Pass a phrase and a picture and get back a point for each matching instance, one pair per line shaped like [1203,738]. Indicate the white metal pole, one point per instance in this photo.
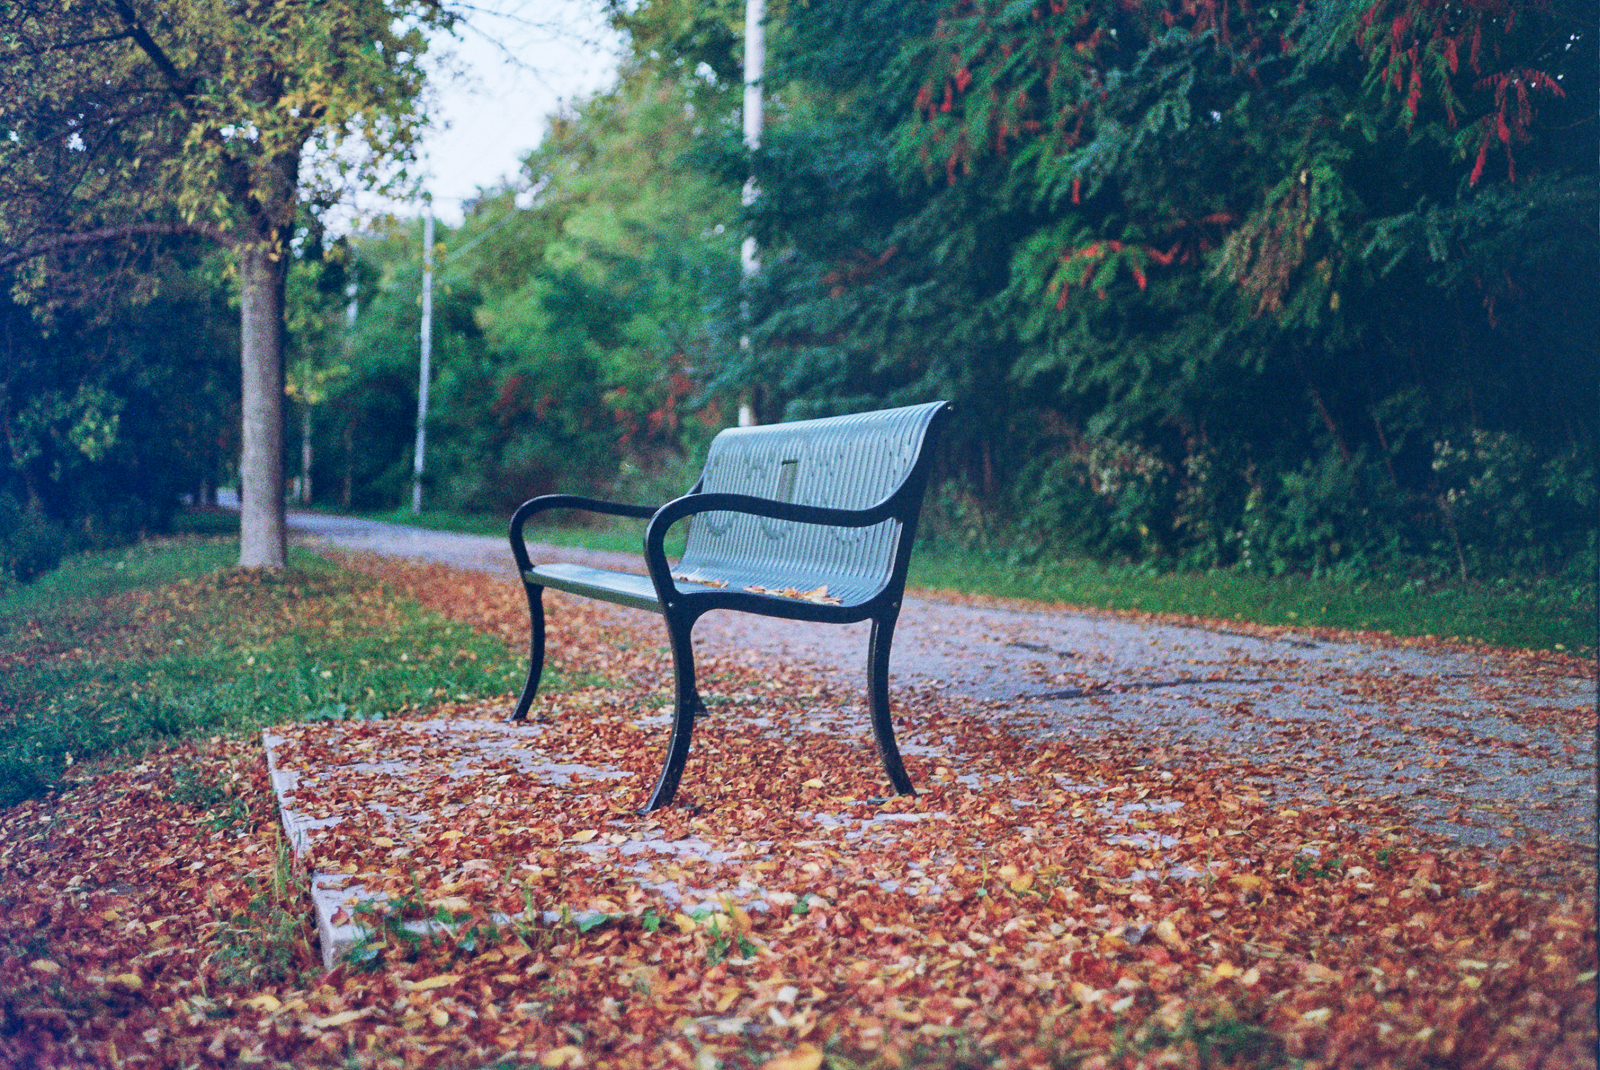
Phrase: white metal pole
[427,354]
[755,59]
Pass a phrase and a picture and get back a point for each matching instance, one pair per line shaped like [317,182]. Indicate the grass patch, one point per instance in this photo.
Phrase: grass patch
[117,652]
[261,945]
[206,520]
[102,574]
[1532,613]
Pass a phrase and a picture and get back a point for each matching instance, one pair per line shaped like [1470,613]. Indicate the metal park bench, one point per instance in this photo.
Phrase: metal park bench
[805,521]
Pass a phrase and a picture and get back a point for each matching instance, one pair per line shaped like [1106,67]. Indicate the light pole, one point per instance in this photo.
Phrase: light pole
[427,353]
[755,57]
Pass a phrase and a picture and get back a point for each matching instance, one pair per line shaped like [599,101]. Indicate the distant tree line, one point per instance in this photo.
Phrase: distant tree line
[1283,287]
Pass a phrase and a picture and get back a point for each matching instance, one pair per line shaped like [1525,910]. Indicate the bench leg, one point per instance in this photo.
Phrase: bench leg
[878,695]
[535,651]
[686,706]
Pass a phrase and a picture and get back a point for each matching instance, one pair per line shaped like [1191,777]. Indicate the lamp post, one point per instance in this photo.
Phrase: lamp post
[427,353]
[755,56]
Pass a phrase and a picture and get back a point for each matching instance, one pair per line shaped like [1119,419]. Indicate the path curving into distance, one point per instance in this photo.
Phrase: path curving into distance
[1477,742]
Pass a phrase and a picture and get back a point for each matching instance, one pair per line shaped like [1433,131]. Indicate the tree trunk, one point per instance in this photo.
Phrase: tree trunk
[263,542]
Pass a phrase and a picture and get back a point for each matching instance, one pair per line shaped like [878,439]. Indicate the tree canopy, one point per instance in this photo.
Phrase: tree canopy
[1273,286]
[131,119]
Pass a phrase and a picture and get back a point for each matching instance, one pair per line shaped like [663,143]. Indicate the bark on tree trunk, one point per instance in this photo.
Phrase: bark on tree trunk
[263,541]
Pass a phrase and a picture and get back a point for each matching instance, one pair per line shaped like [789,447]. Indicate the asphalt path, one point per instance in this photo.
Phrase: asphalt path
[1479,743]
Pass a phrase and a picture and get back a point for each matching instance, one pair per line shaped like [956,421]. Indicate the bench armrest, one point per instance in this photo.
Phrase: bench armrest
[655,533]
[527,509]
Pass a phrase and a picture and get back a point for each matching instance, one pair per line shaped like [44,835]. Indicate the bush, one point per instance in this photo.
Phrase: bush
[1329,515]
[1510,506]
[1105,498]
[30,545]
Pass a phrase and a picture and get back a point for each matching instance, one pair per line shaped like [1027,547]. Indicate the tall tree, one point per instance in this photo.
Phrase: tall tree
[123,121]
[1219,282]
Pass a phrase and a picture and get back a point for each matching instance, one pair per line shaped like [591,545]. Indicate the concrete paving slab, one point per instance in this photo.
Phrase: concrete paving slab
[329,780]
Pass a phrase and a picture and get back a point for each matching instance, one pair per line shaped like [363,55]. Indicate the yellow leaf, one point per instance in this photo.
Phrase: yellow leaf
[264,1002]
[561,1056]
[1248,881]
[453,903]
[434,982]
[439,1017]
[44,966]
[127,980]
[1317,1016]
[382,841]
[451,834]
[1022,883]
[1168,934]
[814,782]
[1086,995]
[804,1057]
[333,1021]
[727,1000]
[684,923]
[584,836]
[1225,969]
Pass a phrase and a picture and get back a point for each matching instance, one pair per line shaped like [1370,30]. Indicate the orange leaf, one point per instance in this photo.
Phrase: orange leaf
[804,1057]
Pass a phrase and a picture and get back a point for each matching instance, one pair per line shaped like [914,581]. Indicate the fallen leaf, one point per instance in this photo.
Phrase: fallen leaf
[803,1057]
[443,980]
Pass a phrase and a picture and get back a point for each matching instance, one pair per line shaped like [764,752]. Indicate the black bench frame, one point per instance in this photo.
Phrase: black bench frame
[682,605]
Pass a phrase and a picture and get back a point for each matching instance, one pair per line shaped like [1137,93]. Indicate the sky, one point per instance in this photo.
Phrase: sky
[510,74]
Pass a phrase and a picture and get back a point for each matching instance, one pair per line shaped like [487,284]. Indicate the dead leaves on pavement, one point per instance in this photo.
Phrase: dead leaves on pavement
[1036,903]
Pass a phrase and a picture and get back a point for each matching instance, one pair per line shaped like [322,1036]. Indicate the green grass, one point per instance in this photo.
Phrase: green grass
[1526,612]
[115,653]
[112,572]
[1531,613]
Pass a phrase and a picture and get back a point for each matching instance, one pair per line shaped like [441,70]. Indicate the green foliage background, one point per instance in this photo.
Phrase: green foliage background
[1284,289]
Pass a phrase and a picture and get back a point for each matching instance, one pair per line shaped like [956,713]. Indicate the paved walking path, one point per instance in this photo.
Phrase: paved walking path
[1478,740]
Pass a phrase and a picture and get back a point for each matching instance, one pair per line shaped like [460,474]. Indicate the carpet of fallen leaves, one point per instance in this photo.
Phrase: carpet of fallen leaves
[1035,905]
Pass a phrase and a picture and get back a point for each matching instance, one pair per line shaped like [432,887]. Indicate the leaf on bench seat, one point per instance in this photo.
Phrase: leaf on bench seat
[708,583]
[819,594]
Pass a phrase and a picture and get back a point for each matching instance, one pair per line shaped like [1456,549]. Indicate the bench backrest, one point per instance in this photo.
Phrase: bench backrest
[841,462]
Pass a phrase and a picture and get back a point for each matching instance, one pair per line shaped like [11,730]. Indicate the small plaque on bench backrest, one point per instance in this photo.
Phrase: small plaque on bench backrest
[787,470]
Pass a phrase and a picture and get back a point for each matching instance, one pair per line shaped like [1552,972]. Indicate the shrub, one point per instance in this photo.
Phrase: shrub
[30,545]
